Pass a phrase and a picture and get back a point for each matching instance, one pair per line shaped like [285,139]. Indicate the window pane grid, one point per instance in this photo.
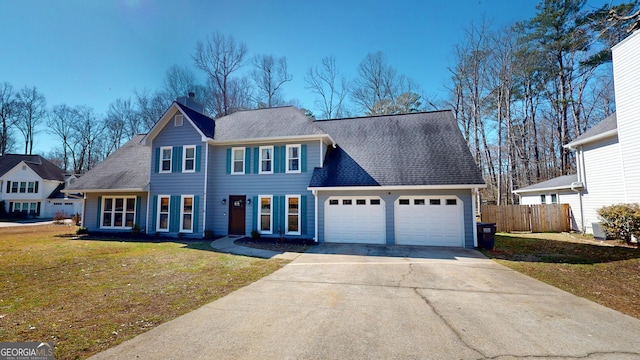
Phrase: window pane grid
[118,212]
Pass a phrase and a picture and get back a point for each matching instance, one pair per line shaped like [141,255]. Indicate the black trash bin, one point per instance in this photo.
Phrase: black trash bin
[486,235]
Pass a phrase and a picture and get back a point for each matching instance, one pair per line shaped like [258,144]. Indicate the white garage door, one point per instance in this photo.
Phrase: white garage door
[354,220]
[433,221]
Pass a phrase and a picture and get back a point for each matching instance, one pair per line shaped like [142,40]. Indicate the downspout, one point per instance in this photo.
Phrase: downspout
[475,194]
[315,197]
[84,202]
[206,176]
[146,224]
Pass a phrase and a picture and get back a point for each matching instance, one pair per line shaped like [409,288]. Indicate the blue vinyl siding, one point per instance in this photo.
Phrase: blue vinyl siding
[178,183]
[389,197]
[279,184]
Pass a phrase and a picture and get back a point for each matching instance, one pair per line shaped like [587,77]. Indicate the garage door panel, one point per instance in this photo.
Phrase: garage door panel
[429,221]
[355,220]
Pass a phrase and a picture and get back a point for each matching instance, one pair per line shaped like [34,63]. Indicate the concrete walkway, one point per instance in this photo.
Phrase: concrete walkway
[377,302]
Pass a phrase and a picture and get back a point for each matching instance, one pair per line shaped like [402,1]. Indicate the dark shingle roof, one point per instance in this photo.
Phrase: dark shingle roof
[203,122]
[607,124]
[560,182]
[41,166]
[264,123]
[341,170]
[127,168]
[411,149]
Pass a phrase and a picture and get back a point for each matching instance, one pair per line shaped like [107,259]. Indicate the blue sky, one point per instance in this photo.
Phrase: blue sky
[92,52]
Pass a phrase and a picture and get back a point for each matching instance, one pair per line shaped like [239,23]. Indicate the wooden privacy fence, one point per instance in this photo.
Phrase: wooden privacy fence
[534,218]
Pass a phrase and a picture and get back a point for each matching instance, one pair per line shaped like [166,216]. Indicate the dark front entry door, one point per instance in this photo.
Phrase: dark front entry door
[237,212]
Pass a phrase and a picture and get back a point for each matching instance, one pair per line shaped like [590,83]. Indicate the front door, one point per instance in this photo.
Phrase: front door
[237,214]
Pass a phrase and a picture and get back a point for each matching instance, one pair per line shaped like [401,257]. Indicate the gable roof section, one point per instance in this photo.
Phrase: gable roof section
[605,128]
[202,123]
[418,149]
[286,121]
[205,124]
[127,169]
[557,183]
[41,166]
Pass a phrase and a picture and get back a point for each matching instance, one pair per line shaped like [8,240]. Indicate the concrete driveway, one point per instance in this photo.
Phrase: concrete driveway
[376,302]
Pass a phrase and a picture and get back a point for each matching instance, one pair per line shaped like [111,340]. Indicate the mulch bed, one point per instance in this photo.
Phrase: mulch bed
[286,245]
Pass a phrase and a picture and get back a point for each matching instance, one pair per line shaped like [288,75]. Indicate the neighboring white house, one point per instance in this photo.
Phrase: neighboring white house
[31,184]
[607,161]
[560,190]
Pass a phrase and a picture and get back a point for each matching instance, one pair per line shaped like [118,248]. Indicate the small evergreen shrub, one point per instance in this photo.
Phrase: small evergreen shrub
[255,234]
[136,229]
[209,235]
[620,221]
[82,231]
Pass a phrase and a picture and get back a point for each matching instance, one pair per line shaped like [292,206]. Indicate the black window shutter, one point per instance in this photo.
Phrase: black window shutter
[36,190]
[8,186]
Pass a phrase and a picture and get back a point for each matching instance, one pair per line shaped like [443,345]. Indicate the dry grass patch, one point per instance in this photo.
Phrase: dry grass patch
[606,274]
[89,295]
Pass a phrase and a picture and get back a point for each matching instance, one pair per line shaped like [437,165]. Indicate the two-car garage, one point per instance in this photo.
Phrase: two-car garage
[418,220]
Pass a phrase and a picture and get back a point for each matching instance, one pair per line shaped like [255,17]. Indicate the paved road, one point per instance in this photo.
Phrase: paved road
[357,302]
[26,223]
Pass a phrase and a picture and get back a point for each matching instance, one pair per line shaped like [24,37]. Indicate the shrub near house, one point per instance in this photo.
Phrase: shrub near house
[621,221]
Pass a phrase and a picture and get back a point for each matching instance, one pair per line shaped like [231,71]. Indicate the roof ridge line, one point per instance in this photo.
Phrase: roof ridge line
[388,115]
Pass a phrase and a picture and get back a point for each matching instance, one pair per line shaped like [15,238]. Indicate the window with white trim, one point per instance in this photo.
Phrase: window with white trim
[543,199]
[118,212]
[237,161]
[186,214]
[162,223]
[554,198]
[26,207]
[23,187]
[266,160]
[265,215]
[165,159]
[293,158]
[189,158]
[293,214]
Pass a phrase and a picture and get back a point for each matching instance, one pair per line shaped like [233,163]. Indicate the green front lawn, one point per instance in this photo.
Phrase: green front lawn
[608,275]
[89,295]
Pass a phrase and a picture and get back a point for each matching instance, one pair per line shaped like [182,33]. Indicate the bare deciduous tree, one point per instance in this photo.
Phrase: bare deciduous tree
[60,123]
[329,86]
[31,107]
[88,129]
[150,107]
[219,56]
[379,87]
[269,75]
[7,116]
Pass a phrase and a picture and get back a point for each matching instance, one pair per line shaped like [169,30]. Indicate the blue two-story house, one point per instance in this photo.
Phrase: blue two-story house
[398,179]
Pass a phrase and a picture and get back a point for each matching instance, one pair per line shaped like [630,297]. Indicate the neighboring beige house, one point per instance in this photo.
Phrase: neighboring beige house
[607,161]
